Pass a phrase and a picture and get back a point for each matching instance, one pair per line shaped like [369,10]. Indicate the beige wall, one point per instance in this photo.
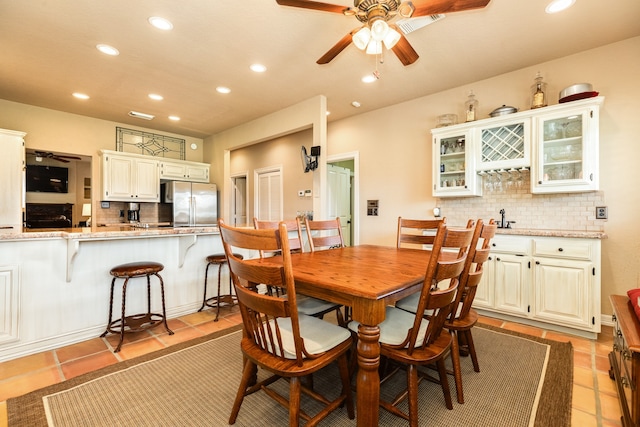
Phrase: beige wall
[395,151]
[51,130]
[281,152]
[394,145]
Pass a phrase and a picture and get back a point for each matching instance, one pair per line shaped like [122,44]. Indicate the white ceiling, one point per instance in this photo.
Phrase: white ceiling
[47,52]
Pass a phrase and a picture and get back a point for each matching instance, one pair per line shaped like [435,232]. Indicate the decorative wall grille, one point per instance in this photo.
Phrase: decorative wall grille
[150,144]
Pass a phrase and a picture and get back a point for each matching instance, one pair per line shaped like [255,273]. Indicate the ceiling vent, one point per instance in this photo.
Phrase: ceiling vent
[410,25]
[141,115]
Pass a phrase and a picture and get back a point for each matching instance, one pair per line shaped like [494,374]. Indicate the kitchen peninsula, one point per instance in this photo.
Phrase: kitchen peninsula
[55,283]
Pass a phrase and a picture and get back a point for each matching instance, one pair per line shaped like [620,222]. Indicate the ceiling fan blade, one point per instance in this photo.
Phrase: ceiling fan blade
[433,7]
[60,156]
[315,5]
[404,51]
[336,49]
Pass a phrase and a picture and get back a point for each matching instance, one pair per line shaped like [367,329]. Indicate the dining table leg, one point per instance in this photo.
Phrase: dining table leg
[368,378]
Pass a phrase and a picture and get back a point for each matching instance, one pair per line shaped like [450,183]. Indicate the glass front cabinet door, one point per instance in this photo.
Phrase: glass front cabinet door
[454,172]
[566,149]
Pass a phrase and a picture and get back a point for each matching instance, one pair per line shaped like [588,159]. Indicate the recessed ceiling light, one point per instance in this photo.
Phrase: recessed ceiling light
[223,89]
[559,5]
[258,68]
[174,118]
[80,95]
[108,50]
[369,78]
[356,104]
[156,97]
[160,23]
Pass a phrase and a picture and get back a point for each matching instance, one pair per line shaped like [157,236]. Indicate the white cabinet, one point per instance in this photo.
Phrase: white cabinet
[547,280]
[454,173]
[504,144]
[565,278]
[129,178]
[566,148]
[179,170]
[12,166]
[505,282]
[9,302]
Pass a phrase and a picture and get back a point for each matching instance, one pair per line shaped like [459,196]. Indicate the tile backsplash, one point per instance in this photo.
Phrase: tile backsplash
[568,211]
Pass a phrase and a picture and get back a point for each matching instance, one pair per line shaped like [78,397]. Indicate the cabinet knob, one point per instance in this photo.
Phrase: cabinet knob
[494,245]
[560,249]
[497,259]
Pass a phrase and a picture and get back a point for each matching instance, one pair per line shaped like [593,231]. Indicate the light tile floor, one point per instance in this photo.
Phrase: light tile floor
[595,402]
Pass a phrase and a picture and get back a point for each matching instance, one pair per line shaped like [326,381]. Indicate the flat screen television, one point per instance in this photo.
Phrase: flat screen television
[47,179]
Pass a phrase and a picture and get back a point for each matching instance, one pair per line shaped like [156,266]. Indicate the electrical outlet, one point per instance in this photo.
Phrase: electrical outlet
[601,212]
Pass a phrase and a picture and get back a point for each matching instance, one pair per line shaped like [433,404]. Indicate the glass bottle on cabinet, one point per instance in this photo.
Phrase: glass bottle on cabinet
[567,151]
[454,166]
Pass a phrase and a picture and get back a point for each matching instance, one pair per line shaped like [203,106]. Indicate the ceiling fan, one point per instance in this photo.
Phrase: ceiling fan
[39,155]
[375,15]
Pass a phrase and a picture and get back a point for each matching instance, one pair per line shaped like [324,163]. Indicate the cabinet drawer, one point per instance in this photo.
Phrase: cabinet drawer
[511,244]
[563,248]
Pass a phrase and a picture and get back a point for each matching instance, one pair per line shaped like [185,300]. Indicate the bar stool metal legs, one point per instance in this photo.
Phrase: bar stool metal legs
[214,302]
[135,322]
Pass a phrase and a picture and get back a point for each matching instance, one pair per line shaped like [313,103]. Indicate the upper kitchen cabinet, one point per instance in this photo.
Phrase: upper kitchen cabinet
[179,170]
[454,172]
[12,167]
[130,177]
[566,148]
[504,144]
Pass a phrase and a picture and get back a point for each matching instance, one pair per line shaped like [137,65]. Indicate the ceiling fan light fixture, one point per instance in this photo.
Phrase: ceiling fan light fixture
[391,38]
[361,37]
[379,30]
[406,9]
[374,48]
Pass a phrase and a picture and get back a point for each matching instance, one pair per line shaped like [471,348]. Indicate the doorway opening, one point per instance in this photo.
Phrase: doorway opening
[239,200]
[342,194]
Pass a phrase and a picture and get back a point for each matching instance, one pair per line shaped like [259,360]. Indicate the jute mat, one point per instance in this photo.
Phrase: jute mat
[524,381]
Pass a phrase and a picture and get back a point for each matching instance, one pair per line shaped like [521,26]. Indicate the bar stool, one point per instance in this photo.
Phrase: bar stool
[135,322]
[214,302]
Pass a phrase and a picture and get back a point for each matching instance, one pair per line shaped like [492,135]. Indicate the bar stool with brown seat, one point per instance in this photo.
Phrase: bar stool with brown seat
[135,322]
[214,302]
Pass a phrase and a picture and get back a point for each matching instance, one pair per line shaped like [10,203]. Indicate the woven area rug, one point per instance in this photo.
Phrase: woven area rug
[524,381]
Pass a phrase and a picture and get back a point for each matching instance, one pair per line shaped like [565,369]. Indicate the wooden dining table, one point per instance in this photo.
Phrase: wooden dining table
[366,278]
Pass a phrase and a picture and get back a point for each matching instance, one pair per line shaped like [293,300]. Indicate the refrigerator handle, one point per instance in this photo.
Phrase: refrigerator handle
[192,218]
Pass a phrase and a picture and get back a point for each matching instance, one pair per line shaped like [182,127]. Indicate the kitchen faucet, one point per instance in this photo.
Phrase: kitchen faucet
[503,223]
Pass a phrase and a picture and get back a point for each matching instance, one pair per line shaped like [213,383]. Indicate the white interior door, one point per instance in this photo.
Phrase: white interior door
[239,200]
[269,195]
[339,198]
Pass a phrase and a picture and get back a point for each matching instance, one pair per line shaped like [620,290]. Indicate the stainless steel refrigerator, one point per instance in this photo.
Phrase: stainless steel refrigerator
[194,204]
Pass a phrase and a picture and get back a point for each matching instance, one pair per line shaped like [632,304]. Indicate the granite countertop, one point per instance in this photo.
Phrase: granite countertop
[552,233]
[87,233]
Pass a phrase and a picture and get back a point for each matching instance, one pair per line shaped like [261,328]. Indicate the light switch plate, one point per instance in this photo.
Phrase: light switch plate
[104,205]
[601,212]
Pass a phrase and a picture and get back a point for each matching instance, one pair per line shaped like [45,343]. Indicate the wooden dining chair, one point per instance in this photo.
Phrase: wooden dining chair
[327,234]
[276,337]
[411,231]
[413,341]
[293,228]
[324,234]
[306,305]
[463,318]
